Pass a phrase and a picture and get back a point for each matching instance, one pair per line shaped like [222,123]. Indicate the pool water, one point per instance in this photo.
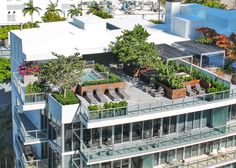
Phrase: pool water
[90,75]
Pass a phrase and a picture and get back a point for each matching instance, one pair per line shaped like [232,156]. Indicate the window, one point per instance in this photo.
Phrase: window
[156,127]
[147,129]
[137,131]
[181,123]
[106,136]
[117,133]
[166,123]
[188,152]
[194,150]
[197,117]
[173,124]
[126,129]
[206,118]
[95,137]
[190,121]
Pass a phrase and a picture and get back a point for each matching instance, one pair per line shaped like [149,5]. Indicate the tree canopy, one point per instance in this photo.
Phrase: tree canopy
[30,9]
[132,46]
[52,17]
[98,10]
[63,72]
[5,70]
[52,7]
[75,10]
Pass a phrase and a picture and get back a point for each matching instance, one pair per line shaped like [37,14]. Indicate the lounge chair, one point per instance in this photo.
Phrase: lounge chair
[100,96]
[198,89]
[121,92]
[112,95]
[189,91]
[90,97]
[158,92]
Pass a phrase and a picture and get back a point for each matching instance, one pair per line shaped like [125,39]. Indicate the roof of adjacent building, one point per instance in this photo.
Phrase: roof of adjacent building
[66,38]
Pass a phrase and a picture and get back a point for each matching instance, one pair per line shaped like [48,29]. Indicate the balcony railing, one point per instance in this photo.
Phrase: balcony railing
[31,162]
[27,98]
[152,145]
[155,107]
[29,135]
[208,161]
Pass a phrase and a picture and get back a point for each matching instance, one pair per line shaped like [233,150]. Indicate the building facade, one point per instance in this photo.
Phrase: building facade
[194,131]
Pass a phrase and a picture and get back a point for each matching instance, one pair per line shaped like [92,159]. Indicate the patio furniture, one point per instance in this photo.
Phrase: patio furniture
[121,92]
[90,97]
[112,95]
[190,91]
[198,89]
[214,153]
[100,96]
[157,93]
[222,151]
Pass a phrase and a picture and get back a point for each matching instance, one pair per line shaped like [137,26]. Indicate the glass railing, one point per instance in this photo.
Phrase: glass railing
[208,161]
[31,135]
[156,106]
[151,145]
[27,98]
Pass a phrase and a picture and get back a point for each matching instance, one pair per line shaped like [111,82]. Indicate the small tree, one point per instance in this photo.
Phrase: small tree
[30,9]
[132,46]
[75,10]
[52,7]
[63,71]
[52,17]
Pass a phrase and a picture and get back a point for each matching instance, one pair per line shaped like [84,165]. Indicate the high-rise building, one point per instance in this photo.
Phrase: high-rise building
[156,126]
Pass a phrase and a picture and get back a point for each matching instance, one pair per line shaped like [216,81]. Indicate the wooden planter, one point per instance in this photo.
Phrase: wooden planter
[173,94]
[103,87]
[192,83]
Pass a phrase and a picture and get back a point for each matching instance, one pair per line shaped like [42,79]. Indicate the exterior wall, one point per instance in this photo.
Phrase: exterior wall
[11,10]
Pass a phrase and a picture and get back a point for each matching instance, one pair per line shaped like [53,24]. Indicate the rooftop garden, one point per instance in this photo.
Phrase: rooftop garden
[132,46]
[98,10]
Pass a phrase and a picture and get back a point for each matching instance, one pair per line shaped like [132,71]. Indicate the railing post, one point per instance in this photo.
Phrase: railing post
[183,102]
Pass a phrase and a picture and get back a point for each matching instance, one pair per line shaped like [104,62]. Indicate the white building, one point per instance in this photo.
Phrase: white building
[11,10]
[197,131]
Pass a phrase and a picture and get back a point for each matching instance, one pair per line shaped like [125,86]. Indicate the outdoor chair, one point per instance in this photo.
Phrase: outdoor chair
[157,93]
[198,89]
[121,92]
[90,97]
[100,96]
[222,151]
[112,95]
[189,91]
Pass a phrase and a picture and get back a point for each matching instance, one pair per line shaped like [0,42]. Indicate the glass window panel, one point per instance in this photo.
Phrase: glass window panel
[156,158]
[95,137]
[163,157]
[135,162]
[233,112]
[216,144]
[189,121]
[223,142]
[180,153]
[194,150]
[166,123]
[106,165]
[117,134]
[126,128]
[87,137]
[202,148]
[125,163]
[206,118]
[68,137]
[117,164]
[182,123]
[229,141]
[171,155]
[106,136]
[173,124]
[147,129]
[188,152]
[137,131]
[197,120]
[156,127]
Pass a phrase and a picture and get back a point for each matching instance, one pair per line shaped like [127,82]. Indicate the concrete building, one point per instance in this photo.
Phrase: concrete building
[152,131]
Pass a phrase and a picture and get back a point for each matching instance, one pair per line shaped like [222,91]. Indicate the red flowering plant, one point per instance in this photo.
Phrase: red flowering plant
[28,69]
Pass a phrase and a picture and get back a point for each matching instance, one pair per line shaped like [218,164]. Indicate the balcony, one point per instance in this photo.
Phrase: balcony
[153,145]
[27,99]
[89,118]
[28,157]
[29,133]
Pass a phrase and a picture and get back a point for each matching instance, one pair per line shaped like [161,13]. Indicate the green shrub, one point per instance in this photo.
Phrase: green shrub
[70,98]
[5,70]
[108,105]
[94,107]
[52,17]
[36,87]
[102,14]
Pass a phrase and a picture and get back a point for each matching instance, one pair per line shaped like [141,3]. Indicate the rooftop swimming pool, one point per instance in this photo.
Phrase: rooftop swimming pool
[90,75]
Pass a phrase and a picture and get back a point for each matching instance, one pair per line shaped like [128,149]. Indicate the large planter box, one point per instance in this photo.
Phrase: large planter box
[63,113]
[173,94]
[192,83]
[103,87]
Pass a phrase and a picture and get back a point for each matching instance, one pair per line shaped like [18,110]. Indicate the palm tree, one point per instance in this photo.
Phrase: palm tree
[75,11]
[52,8]
[30,9]
[95,7]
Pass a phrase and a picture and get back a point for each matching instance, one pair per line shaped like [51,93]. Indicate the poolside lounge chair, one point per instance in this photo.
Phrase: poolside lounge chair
[90,97]
[189,91]
[121,92]
[100,96]
[112,95]
[198,89]
[158,92]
